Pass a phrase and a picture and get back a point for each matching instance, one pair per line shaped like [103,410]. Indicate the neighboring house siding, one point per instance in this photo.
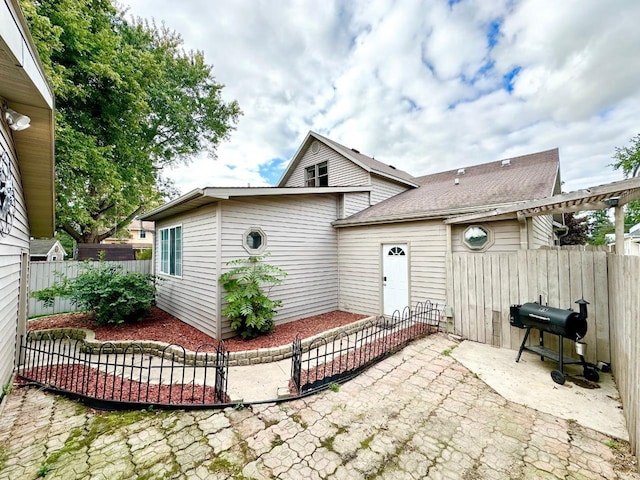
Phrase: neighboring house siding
[301,241]
[342,172]
[542,229]
[354,203]
[383,189]
[506,235]
[11,248]
[361,269]
[192,298]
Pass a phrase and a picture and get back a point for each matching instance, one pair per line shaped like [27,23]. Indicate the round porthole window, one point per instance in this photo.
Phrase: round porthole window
[254,240]
[477,237]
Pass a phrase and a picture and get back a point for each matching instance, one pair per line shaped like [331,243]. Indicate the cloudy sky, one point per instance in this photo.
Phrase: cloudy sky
[424,85]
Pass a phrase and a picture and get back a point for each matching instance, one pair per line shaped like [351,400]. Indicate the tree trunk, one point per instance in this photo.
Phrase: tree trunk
[95,236]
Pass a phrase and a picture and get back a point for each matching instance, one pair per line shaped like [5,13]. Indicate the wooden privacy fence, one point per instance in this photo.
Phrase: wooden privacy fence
[483,287]
[44,274]
[624,299]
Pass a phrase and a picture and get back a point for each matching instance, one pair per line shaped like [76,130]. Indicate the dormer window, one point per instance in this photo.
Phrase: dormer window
[317,175]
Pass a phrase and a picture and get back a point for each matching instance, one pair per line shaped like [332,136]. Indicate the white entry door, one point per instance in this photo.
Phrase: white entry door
[395,277]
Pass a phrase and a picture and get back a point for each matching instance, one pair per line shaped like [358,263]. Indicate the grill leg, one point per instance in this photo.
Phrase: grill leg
[541,343]
[524,341]
[561,354]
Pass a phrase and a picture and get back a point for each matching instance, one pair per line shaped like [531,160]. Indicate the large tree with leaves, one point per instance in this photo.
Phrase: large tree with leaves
[627,159]
[129,101]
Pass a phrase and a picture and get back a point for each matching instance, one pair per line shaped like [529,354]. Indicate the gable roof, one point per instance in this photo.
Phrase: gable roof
[503,182]
[363,161]
[42,247]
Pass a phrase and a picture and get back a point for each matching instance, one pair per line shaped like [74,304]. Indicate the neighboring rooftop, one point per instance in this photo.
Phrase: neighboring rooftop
[42,247]
[527,177]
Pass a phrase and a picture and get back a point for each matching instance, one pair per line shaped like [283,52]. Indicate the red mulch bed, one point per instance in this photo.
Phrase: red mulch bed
[94,383]
[161,327]
[357,357]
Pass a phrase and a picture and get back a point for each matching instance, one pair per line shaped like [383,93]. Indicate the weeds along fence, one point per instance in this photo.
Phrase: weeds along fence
[117,375]
[344,356]
[44,274]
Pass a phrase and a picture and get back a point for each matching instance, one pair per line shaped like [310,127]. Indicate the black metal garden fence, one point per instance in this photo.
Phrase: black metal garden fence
[118,375]
[345,355]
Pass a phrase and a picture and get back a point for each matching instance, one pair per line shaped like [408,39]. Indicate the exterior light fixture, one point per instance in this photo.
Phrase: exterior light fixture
[16,121]
[612,202]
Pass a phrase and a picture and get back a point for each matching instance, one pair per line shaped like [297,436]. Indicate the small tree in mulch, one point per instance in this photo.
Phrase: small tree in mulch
[249,308]
[115,296]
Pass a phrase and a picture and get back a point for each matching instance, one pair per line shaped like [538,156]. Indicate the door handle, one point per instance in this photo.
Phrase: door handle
[384,279]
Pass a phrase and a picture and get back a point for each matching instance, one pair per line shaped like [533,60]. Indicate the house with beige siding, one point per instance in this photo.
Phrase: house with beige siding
[26,172]
[138,234]
[352,232]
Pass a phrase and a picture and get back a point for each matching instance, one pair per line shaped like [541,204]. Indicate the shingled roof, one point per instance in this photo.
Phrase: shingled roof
[41,247]
[478,187]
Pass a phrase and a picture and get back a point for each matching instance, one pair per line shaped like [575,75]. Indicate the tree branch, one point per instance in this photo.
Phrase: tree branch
[122,223]
[72,233]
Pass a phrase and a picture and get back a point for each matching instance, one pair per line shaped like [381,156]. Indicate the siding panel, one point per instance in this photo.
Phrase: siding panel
[301,241]
[506,236]
[342,172]
[542,231]
[192,298]
[361,270]
[11,248]
[383,189]
[355,202]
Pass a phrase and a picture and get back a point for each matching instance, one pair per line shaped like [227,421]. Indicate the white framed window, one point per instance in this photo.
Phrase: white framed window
[143,234]
[171,251]
[254,240]
[317,175]
[477,237]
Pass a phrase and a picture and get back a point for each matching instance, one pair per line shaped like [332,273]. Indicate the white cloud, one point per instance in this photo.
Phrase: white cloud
[416,83]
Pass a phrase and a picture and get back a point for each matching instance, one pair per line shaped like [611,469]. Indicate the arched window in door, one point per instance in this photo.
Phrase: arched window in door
[396,251]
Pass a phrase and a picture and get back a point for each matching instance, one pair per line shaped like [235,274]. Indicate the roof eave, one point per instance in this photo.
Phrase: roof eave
[159,213]
[30,94]
[203,196]
[592,198]
[296,159]
[293,162]
[395,179]
[411,217]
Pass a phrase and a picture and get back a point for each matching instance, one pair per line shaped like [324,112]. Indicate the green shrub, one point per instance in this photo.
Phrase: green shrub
[114,295]
[146,254]
[249,308]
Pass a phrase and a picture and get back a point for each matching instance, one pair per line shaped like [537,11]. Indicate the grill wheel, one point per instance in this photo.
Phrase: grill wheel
[558,377]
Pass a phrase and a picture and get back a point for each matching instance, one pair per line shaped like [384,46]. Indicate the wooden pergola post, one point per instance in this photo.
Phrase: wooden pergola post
[619,219]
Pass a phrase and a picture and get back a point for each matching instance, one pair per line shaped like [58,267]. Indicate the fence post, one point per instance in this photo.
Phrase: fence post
[296,362]
[222,370]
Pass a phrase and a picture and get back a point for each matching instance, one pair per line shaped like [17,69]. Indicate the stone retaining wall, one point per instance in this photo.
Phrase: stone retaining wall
[160,349]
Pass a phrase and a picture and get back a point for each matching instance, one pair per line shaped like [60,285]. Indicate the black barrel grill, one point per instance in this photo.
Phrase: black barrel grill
[563,323]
